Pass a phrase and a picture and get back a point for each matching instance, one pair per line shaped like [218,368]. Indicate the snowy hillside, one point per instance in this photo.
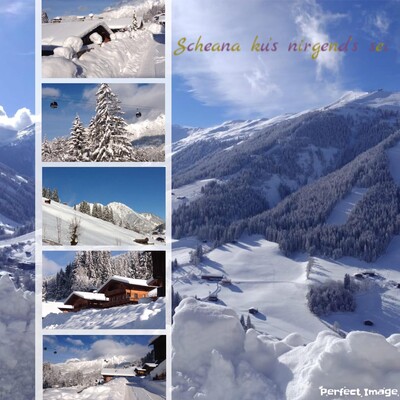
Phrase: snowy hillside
[263,278]
[253,366]
[17,342]
[134,316]
[57,219]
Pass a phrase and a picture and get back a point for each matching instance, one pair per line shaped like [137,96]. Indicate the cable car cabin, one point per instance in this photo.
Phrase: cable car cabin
[138,114]
[53,104]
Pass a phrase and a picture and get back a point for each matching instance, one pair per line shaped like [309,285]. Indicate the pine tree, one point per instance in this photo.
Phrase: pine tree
[249,324]
[134,24]
[46,150]
[54,195]
[108,134]
[77,141]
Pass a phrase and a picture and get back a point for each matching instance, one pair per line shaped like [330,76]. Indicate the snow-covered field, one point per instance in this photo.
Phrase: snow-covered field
[262,277]
[17,342]
[93,231]
[187,193]
[214,358]
[133,316]
[117,389]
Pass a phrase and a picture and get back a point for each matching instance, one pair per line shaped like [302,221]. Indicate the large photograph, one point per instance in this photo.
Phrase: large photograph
[286,200]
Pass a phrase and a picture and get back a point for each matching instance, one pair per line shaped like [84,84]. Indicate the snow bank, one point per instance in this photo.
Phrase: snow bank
[139,316]
[209,357]
[74,42]
[17,342]
[66,52]
[58,67]
[96,38]
[214,358]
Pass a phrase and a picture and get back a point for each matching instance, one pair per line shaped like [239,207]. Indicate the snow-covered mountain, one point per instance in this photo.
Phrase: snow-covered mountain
[125,217]
[277,173]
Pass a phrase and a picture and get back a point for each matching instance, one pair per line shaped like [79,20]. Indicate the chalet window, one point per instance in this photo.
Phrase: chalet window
[135,296]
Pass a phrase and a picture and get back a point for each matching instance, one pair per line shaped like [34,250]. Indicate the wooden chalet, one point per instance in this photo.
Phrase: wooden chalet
[77,301]
[120,290]
[116,291]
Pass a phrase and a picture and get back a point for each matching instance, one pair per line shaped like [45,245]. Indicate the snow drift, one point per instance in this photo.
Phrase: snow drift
[211,347]
[17,342]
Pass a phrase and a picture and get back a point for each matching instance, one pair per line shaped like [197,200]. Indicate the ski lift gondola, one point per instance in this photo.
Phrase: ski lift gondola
[53,104]
[55,352]
[138,113]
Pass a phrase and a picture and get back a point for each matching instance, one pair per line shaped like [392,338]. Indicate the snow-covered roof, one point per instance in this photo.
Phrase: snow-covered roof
[151,365]
[88,296]
[120,23]
[152,293]
[55,34]
[66,307]
[118,371]
[129,281]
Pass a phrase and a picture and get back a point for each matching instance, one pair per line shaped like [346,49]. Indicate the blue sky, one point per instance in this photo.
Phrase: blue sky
[73,99]
[142,189]
[61,8]
[17,64]
[85,347]
[53,261]
[210,88]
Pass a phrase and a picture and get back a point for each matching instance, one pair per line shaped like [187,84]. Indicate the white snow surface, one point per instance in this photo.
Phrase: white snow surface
[93,231]
[132,316]
[214,358]
[394,162]
[188,193]
[17,342]
[117,389]
[344,207]
[89,296]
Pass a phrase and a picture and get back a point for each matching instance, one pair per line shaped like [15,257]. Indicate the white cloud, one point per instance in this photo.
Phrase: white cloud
[377,25]
[17,8]
[251,83]
[51,92]
[149,99]
[74,342]
[50,267]
[22,118]
[109,348]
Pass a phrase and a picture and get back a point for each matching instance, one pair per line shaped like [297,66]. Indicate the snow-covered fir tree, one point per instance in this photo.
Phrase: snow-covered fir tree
[108,133]
[134,26]
[77,141]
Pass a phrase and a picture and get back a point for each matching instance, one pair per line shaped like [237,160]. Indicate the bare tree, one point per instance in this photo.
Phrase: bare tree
[74,230]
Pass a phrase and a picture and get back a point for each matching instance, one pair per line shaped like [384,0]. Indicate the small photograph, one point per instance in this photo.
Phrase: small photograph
[103,206]
[104,367]
[103,39]
[103,123]
[103,290]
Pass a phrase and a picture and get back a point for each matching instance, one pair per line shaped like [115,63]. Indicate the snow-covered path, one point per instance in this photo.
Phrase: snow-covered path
[138,393]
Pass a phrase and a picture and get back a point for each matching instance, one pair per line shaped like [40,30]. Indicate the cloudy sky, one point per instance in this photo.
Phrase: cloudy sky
[209,88]
[85,347]
[17,64]
[73,99]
